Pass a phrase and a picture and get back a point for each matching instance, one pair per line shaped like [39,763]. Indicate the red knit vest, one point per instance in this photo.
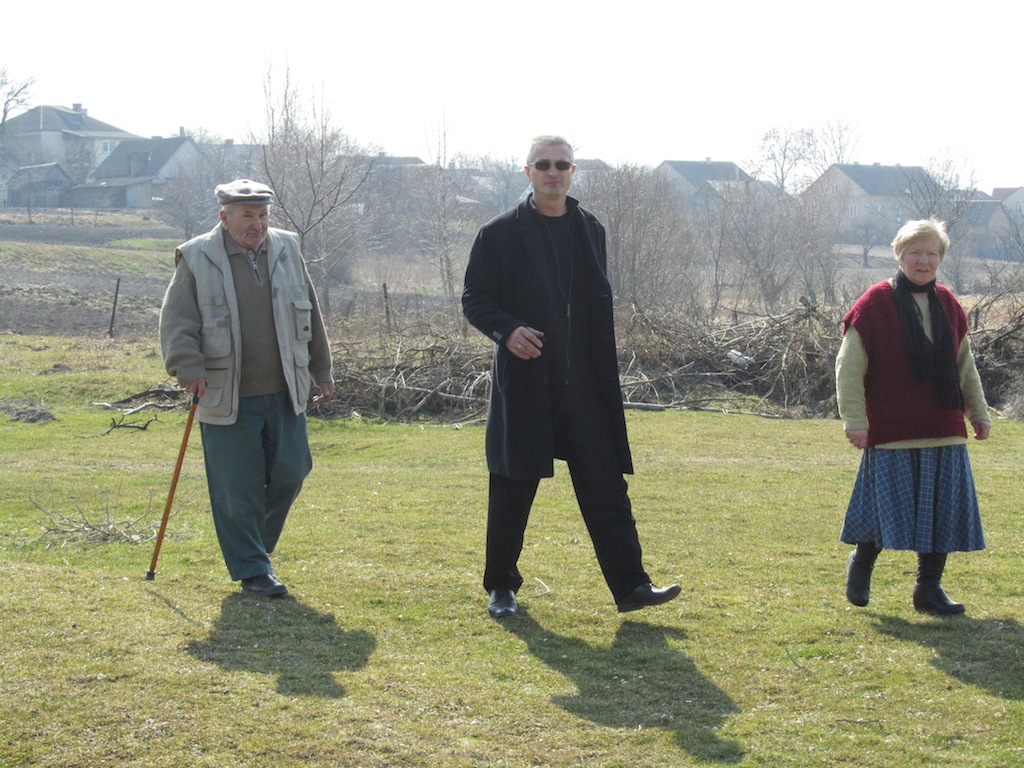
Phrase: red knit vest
[898,406]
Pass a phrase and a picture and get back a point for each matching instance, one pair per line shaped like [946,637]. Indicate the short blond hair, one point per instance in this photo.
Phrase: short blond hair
[920,228]
[548,140]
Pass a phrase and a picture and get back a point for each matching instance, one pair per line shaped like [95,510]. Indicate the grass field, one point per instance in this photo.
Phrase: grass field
[384,654]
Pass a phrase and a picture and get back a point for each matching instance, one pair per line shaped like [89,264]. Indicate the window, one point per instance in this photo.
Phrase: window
[851,211]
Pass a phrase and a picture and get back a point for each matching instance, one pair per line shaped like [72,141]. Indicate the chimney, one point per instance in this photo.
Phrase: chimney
[77,107]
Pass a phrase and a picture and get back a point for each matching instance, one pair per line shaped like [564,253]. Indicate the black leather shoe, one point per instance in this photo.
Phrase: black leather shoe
[646,595]
[264,585]
[502,603]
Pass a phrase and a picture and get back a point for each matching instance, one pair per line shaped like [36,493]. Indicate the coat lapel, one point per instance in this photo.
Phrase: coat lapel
[530,231]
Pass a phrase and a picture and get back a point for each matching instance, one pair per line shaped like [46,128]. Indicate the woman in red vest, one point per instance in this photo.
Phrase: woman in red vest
[905,380]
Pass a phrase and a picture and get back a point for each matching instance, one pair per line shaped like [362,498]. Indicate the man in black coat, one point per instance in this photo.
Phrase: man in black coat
[537,285]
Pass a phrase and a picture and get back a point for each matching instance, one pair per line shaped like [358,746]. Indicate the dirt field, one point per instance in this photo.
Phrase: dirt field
[73,301]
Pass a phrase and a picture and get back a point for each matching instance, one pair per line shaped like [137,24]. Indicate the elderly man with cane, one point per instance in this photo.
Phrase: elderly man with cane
[241,330]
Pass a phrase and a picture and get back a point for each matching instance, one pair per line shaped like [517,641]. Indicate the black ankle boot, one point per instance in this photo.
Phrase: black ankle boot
[929,596]
[858,573]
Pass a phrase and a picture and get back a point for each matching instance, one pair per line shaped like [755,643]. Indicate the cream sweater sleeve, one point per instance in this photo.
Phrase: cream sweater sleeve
[851,366]
[975,406]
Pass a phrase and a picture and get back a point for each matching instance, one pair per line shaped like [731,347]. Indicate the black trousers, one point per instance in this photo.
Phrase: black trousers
[584,437]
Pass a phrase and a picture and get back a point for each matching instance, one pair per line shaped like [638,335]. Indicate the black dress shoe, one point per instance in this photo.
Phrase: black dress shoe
[502,603]
[264,585]
[646,595]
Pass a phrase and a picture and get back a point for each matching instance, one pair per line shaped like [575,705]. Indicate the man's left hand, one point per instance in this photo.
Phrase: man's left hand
[326,392]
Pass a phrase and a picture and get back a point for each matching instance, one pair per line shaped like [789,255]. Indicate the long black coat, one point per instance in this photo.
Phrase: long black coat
[507,285]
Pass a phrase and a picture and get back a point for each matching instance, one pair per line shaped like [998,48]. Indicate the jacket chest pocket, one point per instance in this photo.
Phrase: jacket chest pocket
[216,330]
[302,318]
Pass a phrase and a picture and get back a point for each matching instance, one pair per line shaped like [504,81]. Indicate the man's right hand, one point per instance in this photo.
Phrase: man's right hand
[525,343]
[196,386]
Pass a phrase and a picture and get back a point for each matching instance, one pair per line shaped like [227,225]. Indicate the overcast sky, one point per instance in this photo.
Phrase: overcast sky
[636,82]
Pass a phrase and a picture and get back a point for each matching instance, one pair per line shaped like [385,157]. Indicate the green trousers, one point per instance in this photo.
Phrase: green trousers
[254,470]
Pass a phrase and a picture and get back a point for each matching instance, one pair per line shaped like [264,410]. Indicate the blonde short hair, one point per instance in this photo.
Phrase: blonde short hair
[920,228]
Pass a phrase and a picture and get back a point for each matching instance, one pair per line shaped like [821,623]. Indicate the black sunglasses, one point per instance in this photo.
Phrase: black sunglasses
[543,165]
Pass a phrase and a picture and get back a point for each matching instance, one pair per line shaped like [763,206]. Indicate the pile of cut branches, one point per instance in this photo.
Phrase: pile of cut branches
[410,376]
[779,365]
[999,355]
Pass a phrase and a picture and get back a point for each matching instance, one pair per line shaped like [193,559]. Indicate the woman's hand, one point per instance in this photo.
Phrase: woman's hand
[981,429]
[858,437]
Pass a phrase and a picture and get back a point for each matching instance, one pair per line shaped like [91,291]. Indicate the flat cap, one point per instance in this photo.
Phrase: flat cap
[244,191]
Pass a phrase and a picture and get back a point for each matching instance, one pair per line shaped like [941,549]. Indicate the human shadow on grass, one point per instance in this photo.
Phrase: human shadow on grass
[283,637]
[637,682]
[988,653]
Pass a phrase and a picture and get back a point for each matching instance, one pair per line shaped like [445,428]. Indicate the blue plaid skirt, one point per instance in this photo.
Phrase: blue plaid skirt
[921,499]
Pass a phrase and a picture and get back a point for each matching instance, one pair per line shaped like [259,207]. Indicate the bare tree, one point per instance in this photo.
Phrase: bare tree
[873,228]
[792,158]
[14,94]
[389,205]
[1014,240]
[504,182]
[760,236]
[448,218]
[188,200]
[316,172]
[715,266]
[649,248]
[833,143]
[815,220]
[784,154]
[945,191]
[436,240]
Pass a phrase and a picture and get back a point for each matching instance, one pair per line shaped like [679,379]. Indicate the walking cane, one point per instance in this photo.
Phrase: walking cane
[151,573]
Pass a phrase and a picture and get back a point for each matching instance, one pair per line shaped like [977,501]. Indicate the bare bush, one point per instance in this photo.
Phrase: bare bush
[411,373]
[104,524]
[415,366]
[778,365]
[999,354]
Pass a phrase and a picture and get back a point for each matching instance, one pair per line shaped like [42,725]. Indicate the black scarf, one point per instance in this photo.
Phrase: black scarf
[929,360]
